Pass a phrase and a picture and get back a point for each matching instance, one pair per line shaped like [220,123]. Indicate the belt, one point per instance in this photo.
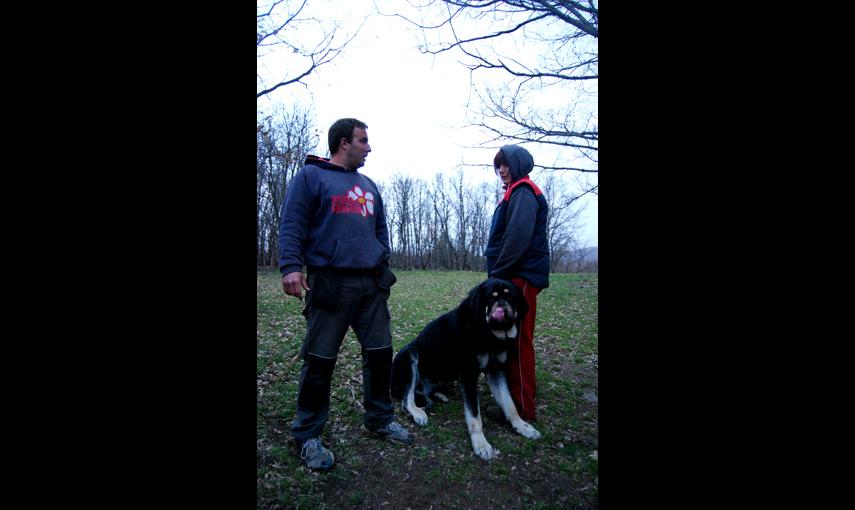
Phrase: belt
[345,271]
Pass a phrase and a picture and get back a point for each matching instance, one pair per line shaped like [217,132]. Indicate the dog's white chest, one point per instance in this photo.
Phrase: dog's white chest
[482,360]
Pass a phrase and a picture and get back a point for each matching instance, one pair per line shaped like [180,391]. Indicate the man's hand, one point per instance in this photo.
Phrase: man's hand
[294,283]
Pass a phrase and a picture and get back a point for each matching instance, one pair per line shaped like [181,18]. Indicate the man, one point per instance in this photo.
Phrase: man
[333,222]
[518,250]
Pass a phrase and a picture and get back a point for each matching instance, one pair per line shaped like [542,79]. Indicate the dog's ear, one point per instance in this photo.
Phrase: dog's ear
[472,303]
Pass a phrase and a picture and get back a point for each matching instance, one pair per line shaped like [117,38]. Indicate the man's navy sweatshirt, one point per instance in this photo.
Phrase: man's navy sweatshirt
[333,217]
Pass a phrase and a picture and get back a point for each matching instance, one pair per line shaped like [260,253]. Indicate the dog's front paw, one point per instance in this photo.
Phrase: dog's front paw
[419,416]
[526,430]
[481,447]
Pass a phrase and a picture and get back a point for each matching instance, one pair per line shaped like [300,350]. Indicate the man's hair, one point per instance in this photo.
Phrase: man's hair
[343,128]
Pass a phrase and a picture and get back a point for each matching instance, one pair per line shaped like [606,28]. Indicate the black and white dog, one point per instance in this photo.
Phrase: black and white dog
[472,338]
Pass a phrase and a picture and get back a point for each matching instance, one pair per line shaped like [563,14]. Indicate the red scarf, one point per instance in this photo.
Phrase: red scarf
[513,185]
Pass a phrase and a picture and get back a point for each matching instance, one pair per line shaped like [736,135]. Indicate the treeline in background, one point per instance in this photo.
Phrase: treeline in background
[441,222]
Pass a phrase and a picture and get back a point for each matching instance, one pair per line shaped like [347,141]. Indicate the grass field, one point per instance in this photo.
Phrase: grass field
[439,470]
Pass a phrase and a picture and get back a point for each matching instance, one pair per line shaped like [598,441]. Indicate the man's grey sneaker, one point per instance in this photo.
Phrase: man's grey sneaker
[315,456]
[395,432]
[496,414]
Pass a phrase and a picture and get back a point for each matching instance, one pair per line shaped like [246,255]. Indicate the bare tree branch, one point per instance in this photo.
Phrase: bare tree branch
[288,34]
[536,44]
[327,54]
[460,42]
[260,37]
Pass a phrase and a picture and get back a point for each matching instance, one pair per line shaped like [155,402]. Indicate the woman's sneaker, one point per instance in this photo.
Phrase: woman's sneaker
[315,456]
[395,432]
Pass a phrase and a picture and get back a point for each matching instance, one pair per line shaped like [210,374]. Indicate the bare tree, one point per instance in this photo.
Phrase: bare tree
[420,226]
[480,203]
[460,248]
[283,140]
[444,223]
[308,42]
[547,52]
[440,232]
[399,212]
[563,226]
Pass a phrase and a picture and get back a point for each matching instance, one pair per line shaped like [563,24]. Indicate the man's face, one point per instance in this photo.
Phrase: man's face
[356,151]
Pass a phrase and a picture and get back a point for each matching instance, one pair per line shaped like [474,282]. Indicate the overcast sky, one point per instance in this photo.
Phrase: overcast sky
[415,105]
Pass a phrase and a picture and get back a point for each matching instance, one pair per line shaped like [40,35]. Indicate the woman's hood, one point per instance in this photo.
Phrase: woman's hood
[519,161]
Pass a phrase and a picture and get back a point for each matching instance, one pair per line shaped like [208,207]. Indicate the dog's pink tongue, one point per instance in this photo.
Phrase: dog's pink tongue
[499,314]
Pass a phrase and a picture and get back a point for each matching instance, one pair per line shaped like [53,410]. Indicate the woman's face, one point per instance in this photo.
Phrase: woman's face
[504,172]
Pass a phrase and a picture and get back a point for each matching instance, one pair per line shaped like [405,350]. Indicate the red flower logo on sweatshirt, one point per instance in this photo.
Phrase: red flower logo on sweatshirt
[354,201]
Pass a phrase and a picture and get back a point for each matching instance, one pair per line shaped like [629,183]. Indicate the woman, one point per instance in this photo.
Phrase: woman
[518,250]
